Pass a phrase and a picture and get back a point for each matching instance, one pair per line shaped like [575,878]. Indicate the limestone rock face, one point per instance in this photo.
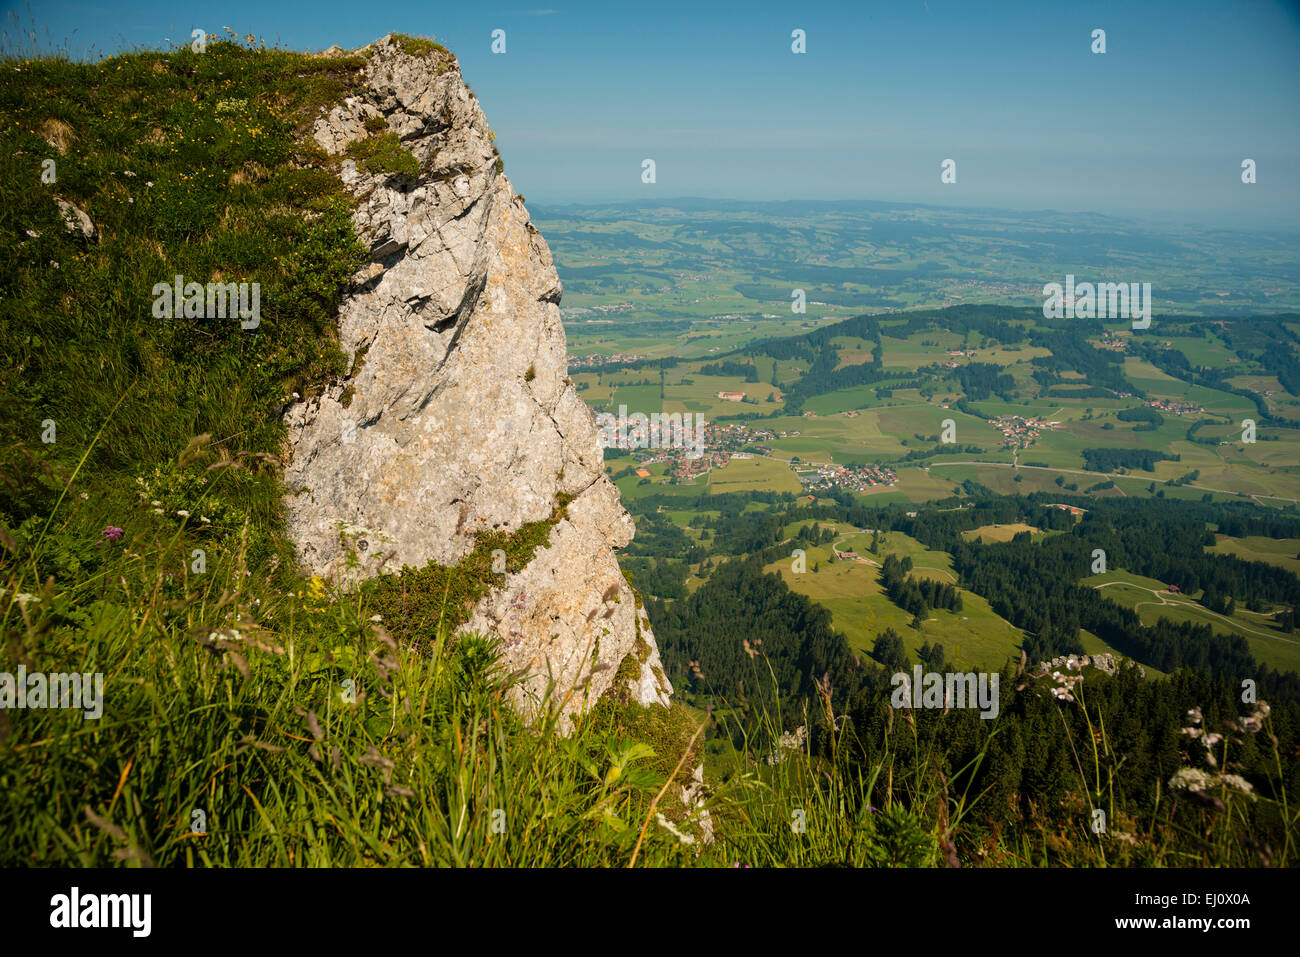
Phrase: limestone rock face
[457,415]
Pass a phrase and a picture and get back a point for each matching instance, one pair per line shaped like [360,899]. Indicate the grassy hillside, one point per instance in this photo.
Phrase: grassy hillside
[252,716]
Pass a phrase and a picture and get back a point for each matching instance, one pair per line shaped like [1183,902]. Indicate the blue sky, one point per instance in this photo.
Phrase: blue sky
[1157,126]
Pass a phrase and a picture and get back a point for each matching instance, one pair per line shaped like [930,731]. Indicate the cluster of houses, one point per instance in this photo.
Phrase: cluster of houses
[856,478]
[617,358]
[1113,341]
[732,396]
[688,469]
[1019,432]
[721,444]
[732,438]
[1174,408]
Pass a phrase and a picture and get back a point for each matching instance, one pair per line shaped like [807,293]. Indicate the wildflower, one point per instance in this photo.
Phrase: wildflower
[25,597]
[1190,779]
[376,617]
[748,650]
[1210,740]
[112,533]
[33,233]
[1238,782]
[205,520]
[1195,715]
[1192,732]
[155,502]
[127,172]
[84,496]
[158,511]
[182,513]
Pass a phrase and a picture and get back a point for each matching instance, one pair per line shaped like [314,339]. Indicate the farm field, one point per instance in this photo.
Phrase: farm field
[1071,411]
[1256,548]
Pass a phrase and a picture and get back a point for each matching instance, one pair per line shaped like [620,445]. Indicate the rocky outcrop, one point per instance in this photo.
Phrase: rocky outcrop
[1105,662]
[457,415]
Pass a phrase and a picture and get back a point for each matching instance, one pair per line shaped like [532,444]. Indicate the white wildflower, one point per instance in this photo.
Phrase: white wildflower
[1190,779]
[1238,782]
[182,513]
[25,597]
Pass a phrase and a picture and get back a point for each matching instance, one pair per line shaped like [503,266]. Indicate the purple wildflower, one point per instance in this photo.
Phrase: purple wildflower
[112,533]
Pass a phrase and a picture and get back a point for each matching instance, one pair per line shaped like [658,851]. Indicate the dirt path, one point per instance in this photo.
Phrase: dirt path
[1160,600]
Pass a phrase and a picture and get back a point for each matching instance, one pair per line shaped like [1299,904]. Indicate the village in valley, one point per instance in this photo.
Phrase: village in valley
[1020,432]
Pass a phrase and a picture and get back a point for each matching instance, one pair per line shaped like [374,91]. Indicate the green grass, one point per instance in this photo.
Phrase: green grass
[184,162]
[1281,552]
[312,726]
[975,637]
[384,153]
[418,46]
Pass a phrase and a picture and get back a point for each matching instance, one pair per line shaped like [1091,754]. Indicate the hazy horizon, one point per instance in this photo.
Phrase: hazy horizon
[580,95]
